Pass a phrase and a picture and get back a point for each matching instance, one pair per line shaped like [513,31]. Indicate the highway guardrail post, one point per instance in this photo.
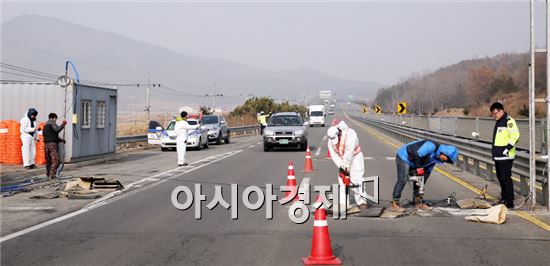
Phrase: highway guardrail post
[523,186]
[545,192]
[476,167]
[465,164]
[490,174]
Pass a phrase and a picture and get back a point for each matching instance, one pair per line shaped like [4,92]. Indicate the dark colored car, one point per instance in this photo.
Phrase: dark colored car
[285,130]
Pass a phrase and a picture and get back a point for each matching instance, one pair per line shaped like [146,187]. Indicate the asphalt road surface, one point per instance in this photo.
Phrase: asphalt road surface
[142,227]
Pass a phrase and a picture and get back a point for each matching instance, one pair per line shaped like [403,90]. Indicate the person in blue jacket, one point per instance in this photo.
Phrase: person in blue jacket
[421,154]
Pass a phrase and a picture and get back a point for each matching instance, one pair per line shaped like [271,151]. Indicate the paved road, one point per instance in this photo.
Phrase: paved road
[144,228]
[129,168]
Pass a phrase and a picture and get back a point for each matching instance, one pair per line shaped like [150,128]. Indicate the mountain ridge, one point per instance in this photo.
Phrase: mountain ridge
[130,59]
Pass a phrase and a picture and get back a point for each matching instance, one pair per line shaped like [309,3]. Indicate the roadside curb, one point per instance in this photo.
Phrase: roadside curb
[18,177]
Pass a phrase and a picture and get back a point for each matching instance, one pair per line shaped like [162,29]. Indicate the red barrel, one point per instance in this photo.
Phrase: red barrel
[13,144]
[3,135]
[40,149]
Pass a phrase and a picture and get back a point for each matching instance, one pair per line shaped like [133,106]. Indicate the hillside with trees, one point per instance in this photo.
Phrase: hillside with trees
[245,114]
[470,86]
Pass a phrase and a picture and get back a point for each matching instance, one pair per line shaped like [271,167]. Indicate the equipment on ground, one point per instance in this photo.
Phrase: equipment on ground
[417,176]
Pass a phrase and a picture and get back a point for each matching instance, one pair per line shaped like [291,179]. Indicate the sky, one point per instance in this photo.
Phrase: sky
[367,41]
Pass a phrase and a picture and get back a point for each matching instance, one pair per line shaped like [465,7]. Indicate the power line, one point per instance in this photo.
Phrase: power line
[26,76]
[26,70]
[6,81]
[166,89]
[65,57]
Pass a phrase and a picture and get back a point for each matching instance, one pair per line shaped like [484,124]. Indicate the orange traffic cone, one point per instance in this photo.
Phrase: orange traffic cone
[328,155]
[321,250]
[291,181]
[308,168]
[318,203]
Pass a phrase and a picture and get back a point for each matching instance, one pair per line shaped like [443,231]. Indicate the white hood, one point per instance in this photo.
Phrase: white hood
[342,126]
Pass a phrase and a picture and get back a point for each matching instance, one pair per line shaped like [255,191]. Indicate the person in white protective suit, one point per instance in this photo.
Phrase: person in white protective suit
[29,135]
[343,145]
[181,128]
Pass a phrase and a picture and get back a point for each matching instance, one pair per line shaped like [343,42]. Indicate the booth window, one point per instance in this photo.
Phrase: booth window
[86,113]
[100,114]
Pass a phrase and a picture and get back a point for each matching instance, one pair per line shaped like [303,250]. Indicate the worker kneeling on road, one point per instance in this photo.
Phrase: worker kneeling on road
[419,157]
[343,145]
[181,128]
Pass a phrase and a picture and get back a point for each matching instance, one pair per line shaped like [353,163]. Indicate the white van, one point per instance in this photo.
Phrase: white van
[316,115]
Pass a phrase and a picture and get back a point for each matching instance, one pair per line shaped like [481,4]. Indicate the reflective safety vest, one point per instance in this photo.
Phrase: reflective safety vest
[262,119]
[505,136]
[341,146]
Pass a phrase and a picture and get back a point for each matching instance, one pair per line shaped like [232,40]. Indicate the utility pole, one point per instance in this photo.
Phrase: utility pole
[532,137]
[547,189]
[214,101]
[148,104]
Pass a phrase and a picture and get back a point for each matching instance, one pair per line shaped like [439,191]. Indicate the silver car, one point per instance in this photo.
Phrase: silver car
[217,128]
[285,130]
[197,137]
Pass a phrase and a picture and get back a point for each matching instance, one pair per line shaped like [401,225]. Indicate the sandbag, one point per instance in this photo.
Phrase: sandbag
[495,215]
[370,212]
[473,204]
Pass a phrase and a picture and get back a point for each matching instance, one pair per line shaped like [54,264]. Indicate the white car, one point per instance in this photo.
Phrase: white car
[154,133]
[198,137]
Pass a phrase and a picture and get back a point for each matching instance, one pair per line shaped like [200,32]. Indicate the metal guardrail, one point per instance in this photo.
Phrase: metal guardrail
[463,127]
[475,155]
[244,130]
[130,139]
[241,130]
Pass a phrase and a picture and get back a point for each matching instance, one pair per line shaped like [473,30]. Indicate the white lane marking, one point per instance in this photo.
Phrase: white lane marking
[251,146]
[110,199]
[324,137]
[318,151]
[43,224]
[259,143]
[103,200]
[380,158]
